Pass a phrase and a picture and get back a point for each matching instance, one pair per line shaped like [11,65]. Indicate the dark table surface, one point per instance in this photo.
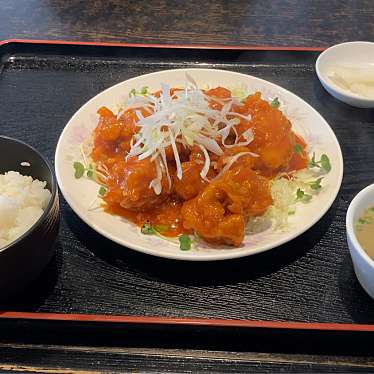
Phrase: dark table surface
[307,23]
[251,22]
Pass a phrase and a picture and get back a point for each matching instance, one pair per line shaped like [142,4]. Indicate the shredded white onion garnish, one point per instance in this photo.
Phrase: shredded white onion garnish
[156,183]
[185,118]
[205,169]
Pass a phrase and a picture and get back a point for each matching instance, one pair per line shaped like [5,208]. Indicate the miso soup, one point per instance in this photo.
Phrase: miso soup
[364,229]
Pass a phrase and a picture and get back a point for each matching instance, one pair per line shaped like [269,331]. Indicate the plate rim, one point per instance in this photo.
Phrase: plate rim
[187,256]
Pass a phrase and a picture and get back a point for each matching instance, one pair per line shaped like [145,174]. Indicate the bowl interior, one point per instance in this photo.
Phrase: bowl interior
[17,153]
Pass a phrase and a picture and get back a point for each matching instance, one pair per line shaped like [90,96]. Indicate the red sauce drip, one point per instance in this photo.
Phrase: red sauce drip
[168,214]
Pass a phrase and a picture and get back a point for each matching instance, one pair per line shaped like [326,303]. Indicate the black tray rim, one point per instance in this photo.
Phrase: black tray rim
[155,320]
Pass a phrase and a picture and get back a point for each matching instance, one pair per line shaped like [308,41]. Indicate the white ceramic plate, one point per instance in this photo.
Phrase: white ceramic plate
[80,193]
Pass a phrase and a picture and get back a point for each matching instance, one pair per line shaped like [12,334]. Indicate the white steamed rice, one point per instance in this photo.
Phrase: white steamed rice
[22,201]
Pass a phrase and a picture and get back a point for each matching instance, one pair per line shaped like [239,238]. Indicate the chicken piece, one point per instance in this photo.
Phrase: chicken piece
[247,160]
[206,215]
[129,184]
[183,153]
[191,183]
[197,155]
[113,135]
[274,140]
[247,192]
[219,213]
[219,93]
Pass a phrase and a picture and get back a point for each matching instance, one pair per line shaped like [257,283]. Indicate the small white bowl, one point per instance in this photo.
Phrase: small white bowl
[362,263]
[352,53]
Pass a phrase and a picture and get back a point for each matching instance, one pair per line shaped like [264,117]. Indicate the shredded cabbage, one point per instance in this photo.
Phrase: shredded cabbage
[283,191]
